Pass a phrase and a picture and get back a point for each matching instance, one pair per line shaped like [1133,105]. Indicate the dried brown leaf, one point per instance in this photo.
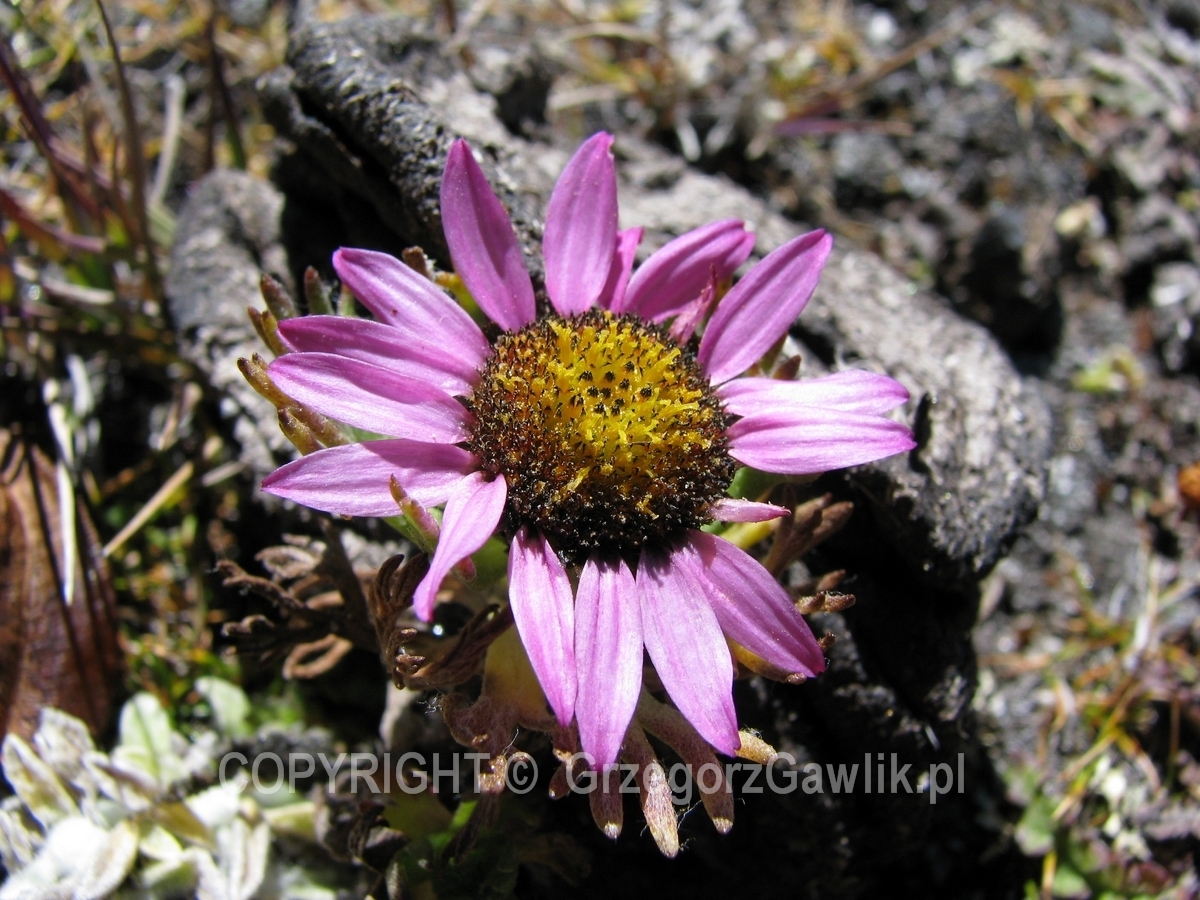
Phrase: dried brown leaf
[52,654]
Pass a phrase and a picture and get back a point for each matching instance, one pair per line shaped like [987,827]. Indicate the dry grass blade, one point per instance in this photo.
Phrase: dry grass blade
[41,132]
[175,91]
[135,161]
[217,68]
[153,505]
[48,238]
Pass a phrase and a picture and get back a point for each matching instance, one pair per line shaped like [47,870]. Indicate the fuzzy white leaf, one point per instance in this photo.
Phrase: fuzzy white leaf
[244,850]
[148,742]
[217,806]
[230,705]
[62,740]
[70,848]
[20,838]
[130,788]
[108,868]
[36,784]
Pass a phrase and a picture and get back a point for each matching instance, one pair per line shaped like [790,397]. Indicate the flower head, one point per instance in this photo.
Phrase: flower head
[597,437]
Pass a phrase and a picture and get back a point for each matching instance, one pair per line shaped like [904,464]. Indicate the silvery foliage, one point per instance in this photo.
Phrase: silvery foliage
[85,824]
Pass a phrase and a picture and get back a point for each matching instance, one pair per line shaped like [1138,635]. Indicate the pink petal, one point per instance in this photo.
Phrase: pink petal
[853,391]
[752,607]
[729,509]
[378,344]
[539,592]
[804,441]
[471,515]
[694,313]
[688,650]
[368,397]
[608,653]
[353,480]
[483,246]
[431,325]
[622,266]
[675,275]
[762,306]
[580,237]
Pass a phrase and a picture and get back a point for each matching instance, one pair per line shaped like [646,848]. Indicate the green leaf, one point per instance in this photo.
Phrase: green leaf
[1069,883]
[230,705]
[297,820]
[158,844]
[182,822]
[46,797]
[488,872]
[146,739]
[491,562]
[417,815]
[173,878]
[462,815]
[750,484]
[1035,831]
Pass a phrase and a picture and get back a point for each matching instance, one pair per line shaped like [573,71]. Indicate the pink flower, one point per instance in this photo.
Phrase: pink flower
[597,437]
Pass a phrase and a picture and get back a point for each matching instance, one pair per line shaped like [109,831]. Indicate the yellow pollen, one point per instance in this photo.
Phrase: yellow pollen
[606,431]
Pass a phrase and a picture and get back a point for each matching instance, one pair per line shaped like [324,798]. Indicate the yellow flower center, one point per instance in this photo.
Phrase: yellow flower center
[606,430]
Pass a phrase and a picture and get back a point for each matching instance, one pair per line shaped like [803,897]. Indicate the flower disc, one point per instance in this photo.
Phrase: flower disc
[606,430]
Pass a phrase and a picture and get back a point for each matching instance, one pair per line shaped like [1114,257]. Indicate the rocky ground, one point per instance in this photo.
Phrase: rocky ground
[1015,196]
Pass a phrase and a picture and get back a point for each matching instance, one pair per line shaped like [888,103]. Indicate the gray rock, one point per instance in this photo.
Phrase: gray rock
[228,235]
[1009,284]
[867,167]
[1156,230]
[1091,27]
[364,129]
[248,13]
[1175,311]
